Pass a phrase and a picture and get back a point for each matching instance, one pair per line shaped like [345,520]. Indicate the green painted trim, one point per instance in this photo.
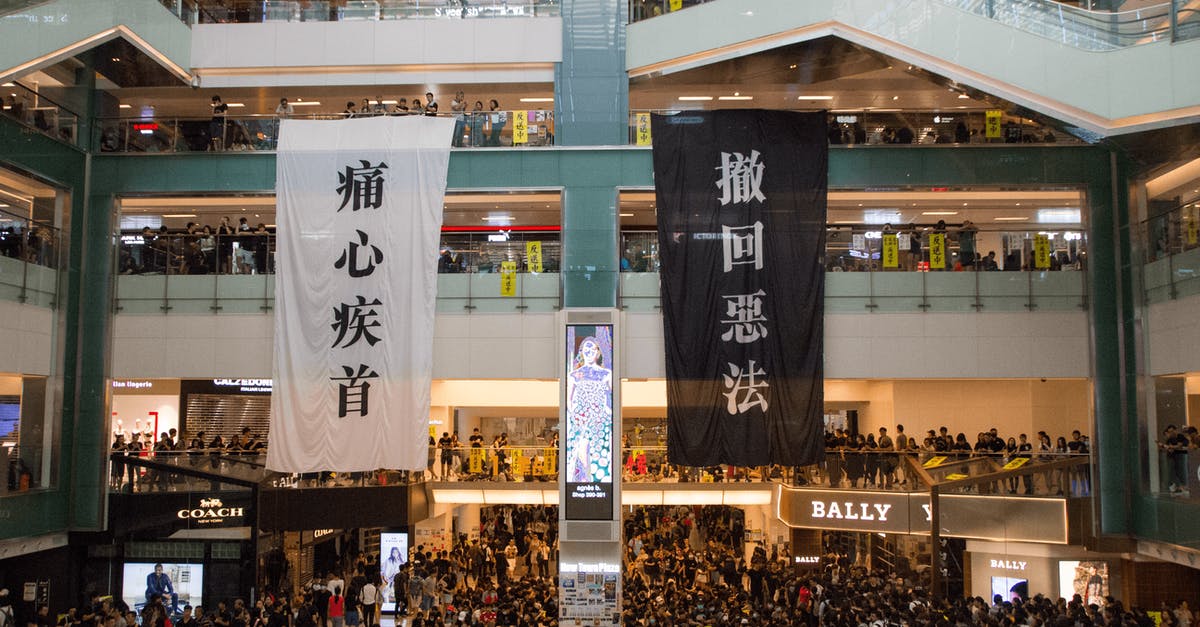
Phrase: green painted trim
[62,165]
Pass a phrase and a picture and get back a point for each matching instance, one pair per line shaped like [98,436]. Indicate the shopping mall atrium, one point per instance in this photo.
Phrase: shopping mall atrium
[1007,376]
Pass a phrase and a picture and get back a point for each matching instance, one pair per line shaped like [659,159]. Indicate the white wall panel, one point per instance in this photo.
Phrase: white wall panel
[1174,336]
[30,332]
[377,52]
[522,346]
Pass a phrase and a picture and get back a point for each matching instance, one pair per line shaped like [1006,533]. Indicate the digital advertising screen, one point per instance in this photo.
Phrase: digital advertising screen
[588,462]
[393,555]
[1010,588]
[1087,579]
[184,582]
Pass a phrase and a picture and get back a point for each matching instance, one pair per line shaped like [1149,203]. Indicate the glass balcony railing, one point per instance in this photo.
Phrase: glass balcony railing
[912,470]
[243,133]
[874,128]
[41,113]
[29,261]
[249,11]
[160,273]
[26,468]
[1060,21]
[1170,243]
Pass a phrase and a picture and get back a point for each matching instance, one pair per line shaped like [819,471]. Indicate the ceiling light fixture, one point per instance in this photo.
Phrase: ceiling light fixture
[308,103]
[626,215]
[179,215]
[697,98]
[537,100]
[124,106]
[814,97]
[1012,219]
[233,105]
[498,218]
[735,97]
[939,213]
[963,97]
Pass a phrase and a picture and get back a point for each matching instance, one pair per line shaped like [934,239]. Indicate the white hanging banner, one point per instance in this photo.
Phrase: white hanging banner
[359,215]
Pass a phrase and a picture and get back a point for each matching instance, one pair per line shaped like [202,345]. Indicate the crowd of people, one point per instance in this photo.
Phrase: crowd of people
[199,249]
[682,566]
[142,443]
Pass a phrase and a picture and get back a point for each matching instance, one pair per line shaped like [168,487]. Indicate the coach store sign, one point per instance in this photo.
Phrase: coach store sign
[985,517]
[211,511]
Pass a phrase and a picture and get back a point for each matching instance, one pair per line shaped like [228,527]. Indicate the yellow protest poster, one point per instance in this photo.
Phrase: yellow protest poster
[934,462]
[676,5]
[533,255]
[432,431]
[891,250]
[520,463]
[955,476]
[991,129]
[550,462]
[475,461]
[1016,463]
[520,127]
[508,278]
[1041,252]
[642,129]
[937,251]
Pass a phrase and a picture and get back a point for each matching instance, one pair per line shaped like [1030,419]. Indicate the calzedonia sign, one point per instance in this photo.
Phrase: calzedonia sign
[210,512]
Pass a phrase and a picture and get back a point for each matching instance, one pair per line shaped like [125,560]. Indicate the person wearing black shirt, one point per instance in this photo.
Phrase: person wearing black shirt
[216,128]
[1174,447]
[187,620]
[222,618]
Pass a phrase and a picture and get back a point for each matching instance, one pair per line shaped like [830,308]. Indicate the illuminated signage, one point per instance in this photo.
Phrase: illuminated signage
[851,511]
[145,127]
[589,567]
[807,559]
[321,533]
[589,459]
[245,385]
[132,385]
[210,511]
[1007,564]
[984,517]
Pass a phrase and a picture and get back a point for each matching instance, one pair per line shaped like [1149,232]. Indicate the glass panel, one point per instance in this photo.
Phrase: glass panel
[242,133]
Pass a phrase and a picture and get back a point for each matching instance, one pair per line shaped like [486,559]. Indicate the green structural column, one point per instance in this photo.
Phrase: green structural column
[591,109]
[591,89]
[1115,443]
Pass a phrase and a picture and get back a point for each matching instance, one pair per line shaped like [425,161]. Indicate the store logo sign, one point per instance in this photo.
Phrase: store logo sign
[321,533]
[1008,564]
[851,511]
[210,511]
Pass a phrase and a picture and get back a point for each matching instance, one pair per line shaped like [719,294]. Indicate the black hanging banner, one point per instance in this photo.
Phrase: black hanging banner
[741,232]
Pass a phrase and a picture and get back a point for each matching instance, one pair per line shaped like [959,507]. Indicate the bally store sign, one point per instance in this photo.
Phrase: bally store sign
[1000,518]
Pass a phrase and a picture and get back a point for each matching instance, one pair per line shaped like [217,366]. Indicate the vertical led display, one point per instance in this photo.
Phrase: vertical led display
[393,555]
[588,461]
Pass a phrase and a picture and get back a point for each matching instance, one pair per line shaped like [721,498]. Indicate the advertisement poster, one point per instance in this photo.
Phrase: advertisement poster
[184,583]
[393,555]
[1010,588]
[589,422]
[586,595]
[1087,579]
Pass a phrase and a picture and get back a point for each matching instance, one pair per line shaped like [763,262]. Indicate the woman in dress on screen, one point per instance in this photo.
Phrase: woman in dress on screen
[589,418]
[390,568]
